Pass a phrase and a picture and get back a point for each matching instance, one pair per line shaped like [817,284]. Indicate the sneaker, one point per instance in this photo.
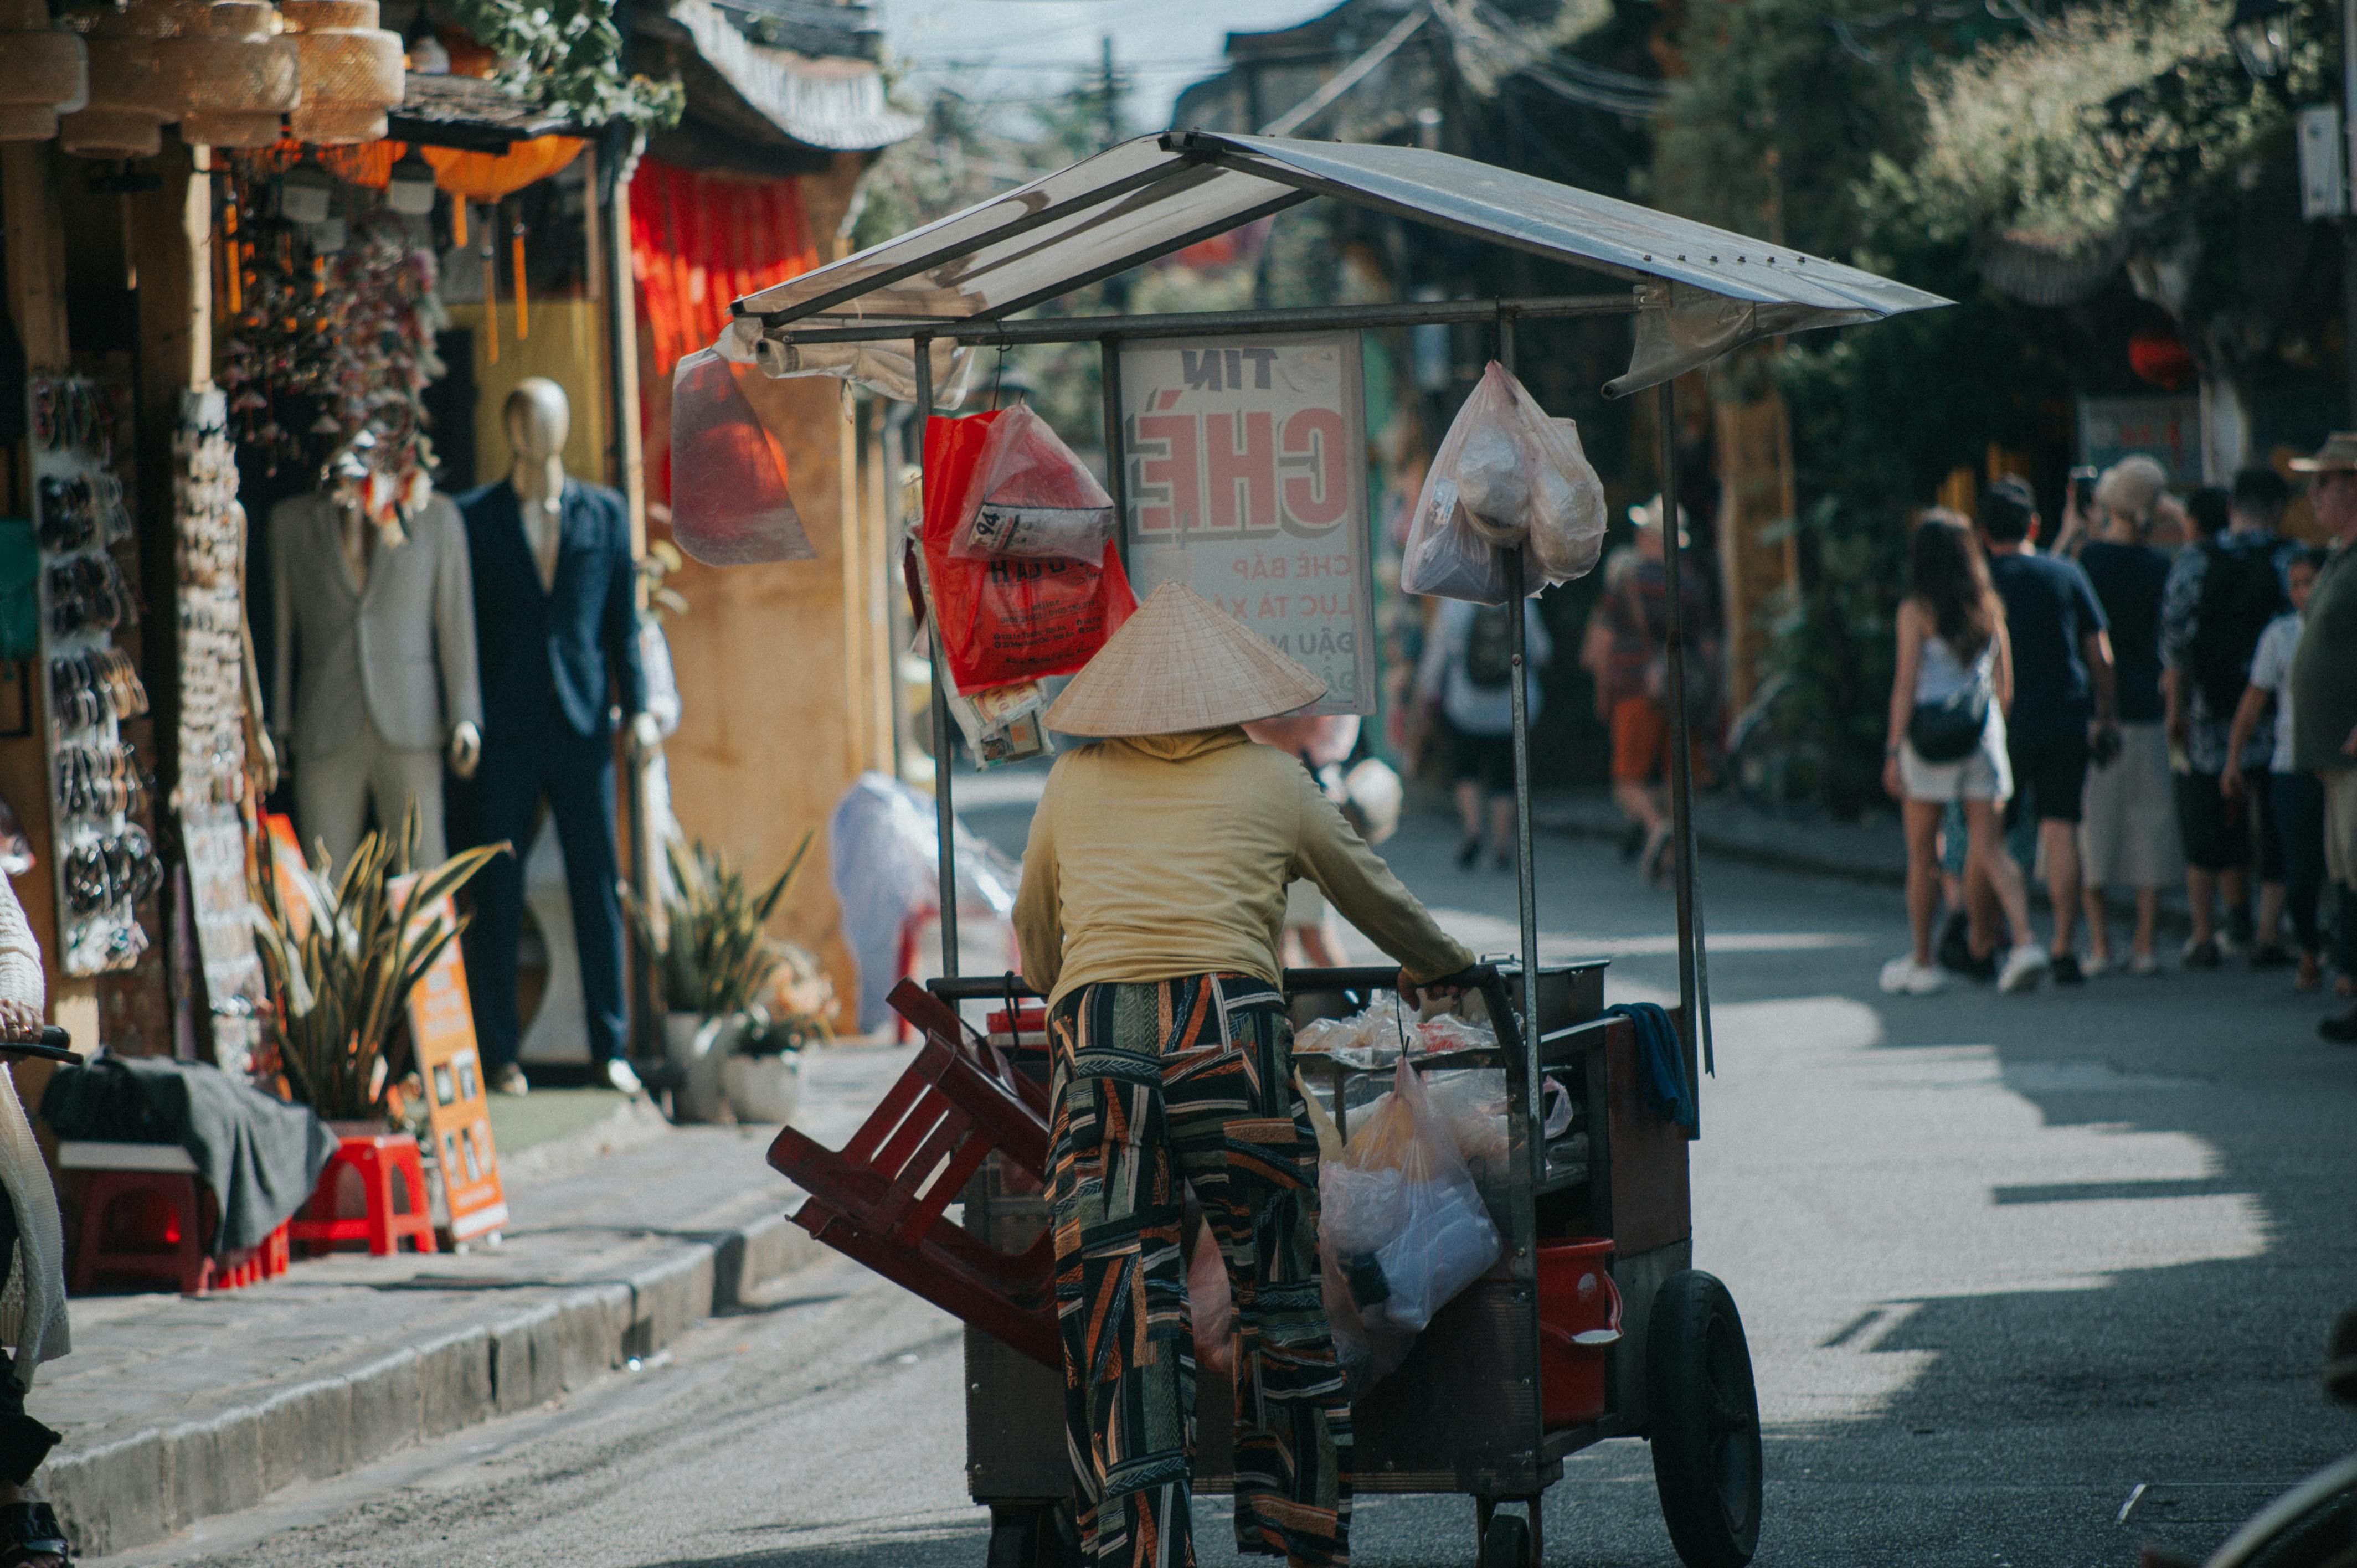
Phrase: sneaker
[1955,947]
[2204,955]
[2025,966]
[2095,964]
[2340,1028]
[2312,974]
[2272,955]
[619,1076]
[511,1080]
[2144,965]
[1467,853]
[2240,928]
[2064,967]
[1983,968]
[1902,976]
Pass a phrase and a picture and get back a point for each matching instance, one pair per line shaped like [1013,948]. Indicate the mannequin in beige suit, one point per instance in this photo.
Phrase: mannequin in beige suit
[375,667]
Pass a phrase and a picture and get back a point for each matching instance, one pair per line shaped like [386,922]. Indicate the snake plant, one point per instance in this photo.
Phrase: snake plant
[709,949]
[341,955]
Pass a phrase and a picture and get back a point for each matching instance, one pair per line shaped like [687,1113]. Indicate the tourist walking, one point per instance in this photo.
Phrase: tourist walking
[1946,744]
[2324,696]
[2222,594]
[2127,832]
[1466,680]
[2298,819]
[2062,695]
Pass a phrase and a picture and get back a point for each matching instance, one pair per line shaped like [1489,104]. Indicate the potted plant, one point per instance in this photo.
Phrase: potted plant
[763,1076]
[341,955]
[712,960]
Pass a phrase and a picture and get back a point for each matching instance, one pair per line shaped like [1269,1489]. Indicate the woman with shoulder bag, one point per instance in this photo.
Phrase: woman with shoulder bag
[1946,742]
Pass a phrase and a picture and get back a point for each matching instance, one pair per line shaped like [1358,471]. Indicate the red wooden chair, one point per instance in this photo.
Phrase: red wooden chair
[880,1199]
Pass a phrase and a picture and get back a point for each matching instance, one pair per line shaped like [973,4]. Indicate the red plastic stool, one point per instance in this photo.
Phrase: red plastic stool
[382,1163]
[106,1241]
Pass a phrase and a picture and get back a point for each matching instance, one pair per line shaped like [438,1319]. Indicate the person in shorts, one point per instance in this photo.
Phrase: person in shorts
[1467,677]
[2127,832]
[2296,850]
[2062,694]
[1952,647]
[2324,697]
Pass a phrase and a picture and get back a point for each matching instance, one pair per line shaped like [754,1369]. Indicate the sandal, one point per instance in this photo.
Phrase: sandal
[30,1530]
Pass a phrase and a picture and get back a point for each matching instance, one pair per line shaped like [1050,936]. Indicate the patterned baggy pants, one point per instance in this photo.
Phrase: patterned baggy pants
[1191,1079]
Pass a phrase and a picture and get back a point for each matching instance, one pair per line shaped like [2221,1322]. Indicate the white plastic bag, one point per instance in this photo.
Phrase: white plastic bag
[1406,1222]
[1032,497]
[1506,474]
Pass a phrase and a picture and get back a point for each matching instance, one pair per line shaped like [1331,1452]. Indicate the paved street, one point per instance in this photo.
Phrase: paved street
[2004,1261]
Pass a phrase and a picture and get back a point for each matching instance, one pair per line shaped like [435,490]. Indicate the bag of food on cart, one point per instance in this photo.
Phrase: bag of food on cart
[1566,506]
[1029,496]
[1445,558]
[1405,1218]
[1003,619]
[1506,474]
[728,501]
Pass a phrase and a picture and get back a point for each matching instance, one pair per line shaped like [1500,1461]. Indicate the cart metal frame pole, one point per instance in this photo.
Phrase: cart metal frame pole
[1694,994]
[944,810]
[1525,877]
[1116,446]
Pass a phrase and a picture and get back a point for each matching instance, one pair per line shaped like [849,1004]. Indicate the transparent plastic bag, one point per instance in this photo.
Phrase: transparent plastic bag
[1031,496]
[880,849]
[728,501]
[1210,1308]
[1404,1218]
[1505,476]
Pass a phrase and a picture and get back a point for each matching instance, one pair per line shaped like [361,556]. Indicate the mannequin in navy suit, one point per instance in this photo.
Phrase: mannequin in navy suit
[557,633]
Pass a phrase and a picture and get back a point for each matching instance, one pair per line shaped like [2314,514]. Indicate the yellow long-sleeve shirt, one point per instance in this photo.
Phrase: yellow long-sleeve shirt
[1158,856]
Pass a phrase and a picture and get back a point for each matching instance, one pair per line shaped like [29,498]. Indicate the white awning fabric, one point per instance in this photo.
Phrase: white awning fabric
[1155,195]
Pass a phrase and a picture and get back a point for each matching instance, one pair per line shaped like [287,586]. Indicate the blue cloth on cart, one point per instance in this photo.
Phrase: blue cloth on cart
[1662,1056]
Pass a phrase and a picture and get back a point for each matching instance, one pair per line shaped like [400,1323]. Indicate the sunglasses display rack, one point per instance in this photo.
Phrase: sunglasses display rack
[105,861]
[210,796]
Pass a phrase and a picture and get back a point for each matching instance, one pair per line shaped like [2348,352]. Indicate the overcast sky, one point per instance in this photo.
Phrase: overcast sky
[1008,48]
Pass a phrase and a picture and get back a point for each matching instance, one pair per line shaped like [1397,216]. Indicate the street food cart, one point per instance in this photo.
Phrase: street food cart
[1465,1412]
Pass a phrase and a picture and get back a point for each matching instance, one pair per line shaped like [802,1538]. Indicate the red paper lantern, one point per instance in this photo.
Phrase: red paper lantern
[2162,359]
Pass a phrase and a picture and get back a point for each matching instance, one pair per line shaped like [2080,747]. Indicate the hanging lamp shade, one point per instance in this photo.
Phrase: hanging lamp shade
[230,75]
[495,176]
[351,71]
[44,72]
[127,107]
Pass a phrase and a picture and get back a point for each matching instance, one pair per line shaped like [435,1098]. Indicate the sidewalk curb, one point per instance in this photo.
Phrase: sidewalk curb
[141,1488]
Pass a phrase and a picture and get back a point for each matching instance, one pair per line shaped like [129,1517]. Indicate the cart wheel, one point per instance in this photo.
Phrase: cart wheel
[1705,1422]
[1507,1543]
[1033,1535]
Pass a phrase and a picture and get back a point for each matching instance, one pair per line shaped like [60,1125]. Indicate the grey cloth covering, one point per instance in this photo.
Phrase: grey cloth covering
[259,1154]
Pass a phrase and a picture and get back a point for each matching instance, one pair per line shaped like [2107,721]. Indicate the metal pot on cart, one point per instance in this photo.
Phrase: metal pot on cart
[1466,1412]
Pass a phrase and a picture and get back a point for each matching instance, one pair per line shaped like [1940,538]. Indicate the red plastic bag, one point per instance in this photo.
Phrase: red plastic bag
[1029,496]
[1002,619]
[728,501]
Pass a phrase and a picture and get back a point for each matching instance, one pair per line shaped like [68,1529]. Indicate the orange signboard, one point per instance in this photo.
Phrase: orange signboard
[442,1033]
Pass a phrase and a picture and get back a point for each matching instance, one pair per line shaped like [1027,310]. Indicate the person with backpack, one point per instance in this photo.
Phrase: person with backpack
[1627,650]
[1467,679]
[2222,592]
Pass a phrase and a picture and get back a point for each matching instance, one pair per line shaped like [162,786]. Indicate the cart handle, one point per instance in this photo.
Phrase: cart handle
[56,1045]
[1361,977]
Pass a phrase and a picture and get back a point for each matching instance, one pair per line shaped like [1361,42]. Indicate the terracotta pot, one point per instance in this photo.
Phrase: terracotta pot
[763,1089]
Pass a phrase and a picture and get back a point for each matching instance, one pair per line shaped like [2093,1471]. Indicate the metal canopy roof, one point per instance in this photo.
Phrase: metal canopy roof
[1155,195]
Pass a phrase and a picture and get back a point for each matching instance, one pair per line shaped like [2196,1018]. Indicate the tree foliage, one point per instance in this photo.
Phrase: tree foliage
[567,55]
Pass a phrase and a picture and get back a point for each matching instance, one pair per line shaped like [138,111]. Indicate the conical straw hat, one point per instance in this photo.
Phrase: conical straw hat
[1180,663]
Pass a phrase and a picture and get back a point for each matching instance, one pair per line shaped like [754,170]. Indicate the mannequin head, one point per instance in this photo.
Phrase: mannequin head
[538,419]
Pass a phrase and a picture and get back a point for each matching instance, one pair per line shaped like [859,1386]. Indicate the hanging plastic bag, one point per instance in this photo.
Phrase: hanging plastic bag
[1210,1308]
[728,501]
[1032,497]
[1405,1220]
[1001,724]
[1505,476]
[1005,620]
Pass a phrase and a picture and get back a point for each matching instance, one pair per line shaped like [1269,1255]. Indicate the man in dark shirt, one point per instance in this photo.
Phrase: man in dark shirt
[2062,693]
[2324,693]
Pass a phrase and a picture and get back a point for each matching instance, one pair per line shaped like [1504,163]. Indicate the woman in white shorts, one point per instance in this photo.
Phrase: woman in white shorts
[1953,660]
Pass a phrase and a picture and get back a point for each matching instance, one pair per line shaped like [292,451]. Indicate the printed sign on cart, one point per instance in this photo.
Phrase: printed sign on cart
[1247,481]
[442,1031]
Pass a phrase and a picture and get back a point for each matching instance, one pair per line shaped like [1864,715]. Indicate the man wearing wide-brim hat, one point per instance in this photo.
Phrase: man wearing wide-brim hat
[2324,695]
[1152,895]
